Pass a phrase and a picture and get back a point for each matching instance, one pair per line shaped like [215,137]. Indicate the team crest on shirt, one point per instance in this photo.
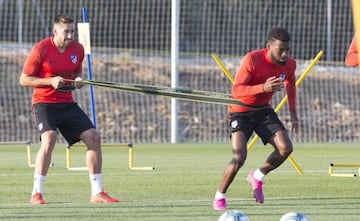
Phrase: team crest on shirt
[73,58]
[282,76]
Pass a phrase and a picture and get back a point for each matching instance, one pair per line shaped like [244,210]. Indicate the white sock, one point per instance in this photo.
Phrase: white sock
[258,175]
[96,183]
[38,184]
[219,195]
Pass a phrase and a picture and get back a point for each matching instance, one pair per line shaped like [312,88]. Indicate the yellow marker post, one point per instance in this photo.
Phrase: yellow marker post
[68,159]
[343,174]
[28,150]
[349,165]
[131,162]
[130,155]
[280,105]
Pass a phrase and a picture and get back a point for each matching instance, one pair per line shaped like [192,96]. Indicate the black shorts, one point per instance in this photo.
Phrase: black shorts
[67,117]
[264,122]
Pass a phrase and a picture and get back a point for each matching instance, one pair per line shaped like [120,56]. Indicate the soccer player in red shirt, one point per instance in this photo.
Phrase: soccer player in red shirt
[351,58]
[261,73]
[52,60]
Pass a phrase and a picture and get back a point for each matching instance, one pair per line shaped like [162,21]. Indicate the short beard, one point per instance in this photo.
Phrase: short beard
[281,63]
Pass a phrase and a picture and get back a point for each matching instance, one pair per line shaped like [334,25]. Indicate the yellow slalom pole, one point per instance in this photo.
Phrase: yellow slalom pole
[283,101]
[226,72]
[293,162]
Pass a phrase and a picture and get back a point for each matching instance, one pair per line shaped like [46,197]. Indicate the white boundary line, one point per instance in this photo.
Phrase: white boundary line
[209,200]
[51,173]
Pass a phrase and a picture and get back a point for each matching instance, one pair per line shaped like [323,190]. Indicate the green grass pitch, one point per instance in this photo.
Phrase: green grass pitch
[182,185]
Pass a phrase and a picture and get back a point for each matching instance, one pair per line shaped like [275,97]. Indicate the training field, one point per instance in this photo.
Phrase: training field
[182,185]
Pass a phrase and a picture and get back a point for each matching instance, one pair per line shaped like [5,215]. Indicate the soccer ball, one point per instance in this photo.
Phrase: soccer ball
[294,216]
[233,215]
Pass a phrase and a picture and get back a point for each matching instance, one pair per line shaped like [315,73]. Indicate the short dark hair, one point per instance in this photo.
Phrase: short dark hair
[63,19]
[279,33]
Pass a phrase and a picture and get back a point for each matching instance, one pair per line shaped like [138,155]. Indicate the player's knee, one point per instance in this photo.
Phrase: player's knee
[236,164]
[238,157]
[238,161]
[91,138]
[48,138]
[286,150]
[95,138]
[50,134]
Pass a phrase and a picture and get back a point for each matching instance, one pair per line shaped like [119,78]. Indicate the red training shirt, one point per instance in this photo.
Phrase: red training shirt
[351,58]
[46,61]
[250,77]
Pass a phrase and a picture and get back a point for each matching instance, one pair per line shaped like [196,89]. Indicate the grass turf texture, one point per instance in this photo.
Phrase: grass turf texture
[182,185]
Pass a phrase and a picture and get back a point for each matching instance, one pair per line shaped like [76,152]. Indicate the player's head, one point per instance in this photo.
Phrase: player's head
[63,30]
[278,45]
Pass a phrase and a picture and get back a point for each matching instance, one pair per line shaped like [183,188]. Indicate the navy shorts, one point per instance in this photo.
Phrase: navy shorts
[264,122]
[68,118]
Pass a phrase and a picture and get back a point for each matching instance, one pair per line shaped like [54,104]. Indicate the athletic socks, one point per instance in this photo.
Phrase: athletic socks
[96,183]
[258,175]
[38,184]
[219,195]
